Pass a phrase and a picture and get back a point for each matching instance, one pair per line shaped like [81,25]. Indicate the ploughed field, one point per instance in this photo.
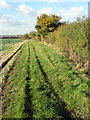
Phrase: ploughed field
[8,47]
[42,84]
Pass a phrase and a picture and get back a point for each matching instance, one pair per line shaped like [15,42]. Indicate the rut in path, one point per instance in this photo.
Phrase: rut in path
[6,83]
[28,104]
[61,111]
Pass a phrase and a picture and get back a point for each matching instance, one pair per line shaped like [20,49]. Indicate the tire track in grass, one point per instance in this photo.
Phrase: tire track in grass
[6,82]
[18,85]
[28,103]
[42,104]
[66,115]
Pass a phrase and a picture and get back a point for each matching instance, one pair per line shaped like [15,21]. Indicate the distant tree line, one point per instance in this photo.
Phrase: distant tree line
[10,36]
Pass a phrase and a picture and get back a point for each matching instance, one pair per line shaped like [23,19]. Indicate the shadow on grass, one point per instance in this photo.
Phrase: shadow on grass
[28,103]
[60,106]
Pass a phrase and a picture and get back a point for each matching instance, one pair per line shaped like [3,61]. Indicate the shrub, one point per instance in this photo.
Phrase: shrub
[72,40]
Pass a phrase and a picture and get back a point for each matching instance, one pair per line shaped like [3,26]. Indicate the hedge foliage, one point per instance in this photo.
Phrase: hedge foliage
[72,40]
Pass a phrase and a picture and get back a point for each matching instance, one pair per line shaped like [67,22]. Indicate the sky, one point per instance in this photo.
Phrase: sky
[19,16]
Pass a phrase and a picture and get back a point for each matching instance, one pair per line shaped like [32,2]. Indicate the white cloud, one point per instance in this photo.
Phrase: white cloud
[73,12]
[27,10]
[6,20]
[4,4]
[12,25]
[21,23]
[47,11]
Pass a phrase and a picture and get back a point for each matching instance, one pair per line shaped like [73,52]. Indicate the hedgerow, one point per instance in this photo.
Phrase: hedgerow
[72,41]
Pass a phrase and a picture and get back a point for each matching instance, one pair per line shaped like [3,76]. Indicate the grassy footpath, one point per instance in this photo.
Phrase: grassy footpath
[43,105]
[41,84]
[66,82]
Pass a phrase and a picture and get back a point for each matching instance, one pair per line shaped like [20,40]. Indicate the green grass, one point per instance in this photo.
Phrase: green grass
[7,45]
[15,91]
[66,81]
[10,41]
[43,106]
[44,85]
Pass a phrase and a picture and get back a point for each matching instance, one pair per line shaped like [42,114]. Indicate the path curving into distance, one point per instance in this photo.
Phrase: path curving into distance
[42,85]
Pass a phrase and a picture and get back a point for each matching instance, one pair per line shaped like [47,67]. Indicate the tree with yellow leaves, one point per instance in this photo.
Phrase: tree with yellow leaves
[47,23]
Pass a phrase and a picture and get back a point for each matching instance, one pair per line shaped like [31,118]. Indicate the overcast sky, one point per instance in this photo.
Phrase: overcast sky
[19,17]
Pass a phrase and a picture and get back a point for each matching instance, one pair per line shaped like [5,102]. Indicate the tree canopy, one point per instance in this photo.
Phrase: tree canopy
[47,23]
[32,34]
[25,36]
